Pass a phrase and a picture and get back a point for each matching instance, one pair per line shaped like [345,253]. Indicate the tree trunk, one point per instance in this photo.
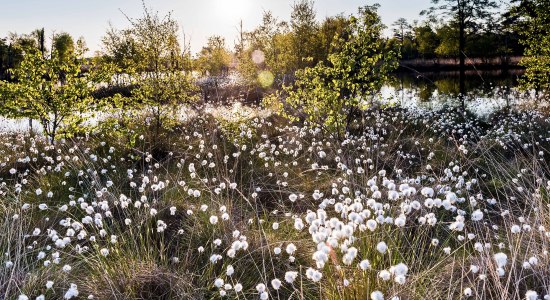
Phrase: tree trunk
[462,55]
[158,121]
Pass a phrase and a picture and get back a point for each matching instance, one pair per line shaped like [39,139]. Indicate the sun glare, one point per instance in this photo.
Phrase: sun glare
[232,9]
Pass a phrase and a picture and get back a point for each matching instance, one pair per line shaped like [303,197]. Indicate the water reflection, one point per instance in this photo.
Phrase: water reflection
[484,92]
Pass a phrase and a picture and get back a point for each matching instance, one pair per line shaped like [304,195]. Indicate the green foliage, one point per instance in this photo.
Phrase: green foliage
[401,29]
[286,47]
[330,31]
[149,55]
[448,35]
[535,31]
[304,30]
[63,44]
[214,59]
[121,49]
[11,52]
[331,93]
[246,67]
[163,92]
[427,40]
[468,16]
[52,90]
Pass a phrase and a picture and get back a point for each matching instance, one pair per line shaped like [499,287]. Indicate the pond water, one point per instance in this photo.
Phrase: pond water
[10,125]
[484,92]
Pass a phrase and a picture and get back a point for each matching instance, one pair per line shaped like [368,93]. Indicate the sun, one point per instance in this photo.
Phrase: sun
[232,9]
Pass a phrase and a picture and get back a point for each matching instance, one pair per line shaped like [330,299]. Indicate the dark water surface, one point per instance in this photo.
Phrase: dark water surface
[485,92]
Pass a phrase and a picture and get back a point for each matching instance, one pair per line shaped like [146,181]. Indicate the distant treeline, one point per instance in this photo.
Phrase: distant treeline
[12,48]
[440,40]
[446,64]
[472,33]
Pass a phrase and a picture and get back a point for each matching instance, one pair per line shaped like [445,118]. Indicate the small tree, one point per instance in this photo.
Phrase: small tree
[151,55]
[330,31]
[468,15]
[214,59]
[427,40]
[532,21]
[401,29]
[331,94]
[272,38]
[304,38]
[52,90]
[63,45]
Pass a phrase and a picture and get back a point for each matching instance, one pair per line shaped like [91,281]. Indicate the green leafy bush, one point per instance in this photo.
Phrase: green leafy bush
[331,94]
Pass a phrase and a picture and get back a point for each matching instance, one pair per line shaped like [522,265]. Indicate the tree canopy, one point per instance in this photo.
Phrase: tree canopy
[55,90]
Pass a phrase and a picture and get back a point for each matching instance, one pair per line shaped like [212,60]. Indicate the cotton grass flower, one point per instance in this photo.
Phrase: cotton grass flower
[381,247]
[229,270]
[260,287]
[377,295]
[104,252]
[218,282]
[531,295]
[364,265]
[313,275]
[501,259]
[276,284]
[49,284]
[290,276]
[72,292]
[290,249]
[385,275]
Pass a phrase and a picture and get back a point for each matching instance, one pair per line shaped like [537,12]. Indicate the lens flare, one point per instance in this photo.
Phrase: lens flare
[258,57]
[266,78]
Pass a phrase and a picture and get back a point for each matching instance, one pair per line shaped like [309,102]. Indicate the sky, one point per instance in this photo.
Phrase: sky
[199,19]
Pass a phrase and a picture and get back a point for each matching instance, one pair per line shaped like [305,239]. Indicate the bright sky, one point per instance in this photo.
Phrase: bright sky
[198,18]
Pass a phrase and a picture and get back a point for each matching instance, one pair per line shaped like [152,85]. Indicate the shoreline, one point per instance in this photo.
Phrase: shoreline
[453,64]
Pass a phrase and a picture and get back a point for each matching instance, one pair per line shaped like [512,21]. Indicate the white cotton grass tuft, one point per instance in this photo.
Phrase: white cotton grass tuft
[260,287]
[357,203]
[377,295]
[290,276]
[477,215]
[276,284]
[364,265]
[229,270]
[385,275]
[238,287]
[72,292]
[290,249]
[313,275]
[293,197]
[382,247]
[501,259]
[531,295]
[104,251]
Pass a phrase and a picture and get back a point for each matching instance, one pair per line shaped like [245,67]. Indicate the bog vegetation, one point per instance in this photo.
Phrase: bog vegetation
[142,184]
